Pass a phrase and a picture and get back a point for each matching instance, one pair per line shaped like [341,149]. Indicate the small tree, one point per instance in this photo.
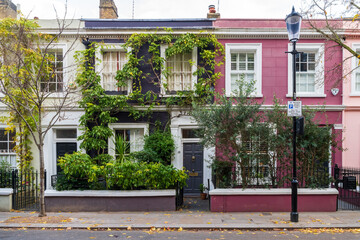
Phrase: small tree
[29,80]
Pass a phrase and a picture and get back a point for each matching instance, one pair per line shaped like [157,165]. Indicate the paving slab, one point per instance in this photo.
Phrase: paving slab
[187,219]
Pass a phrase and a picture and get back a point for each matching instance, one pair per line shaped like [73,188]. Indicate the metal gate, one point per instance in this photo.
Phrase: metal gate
[347,183]
[26,188]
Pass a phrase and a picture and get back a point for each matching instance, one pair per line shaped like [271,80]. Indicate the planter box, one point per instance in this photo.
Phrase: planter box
[6,199]
[272,200]
[110,201]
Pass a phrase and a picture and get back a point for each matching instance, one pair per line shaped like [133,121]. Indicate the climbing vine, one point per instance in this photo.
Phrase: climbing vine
[100,107]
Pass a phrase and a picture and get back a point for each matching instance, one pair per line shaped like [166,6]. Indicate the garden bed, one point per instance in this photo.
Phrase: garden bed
[272,200]
[110,200]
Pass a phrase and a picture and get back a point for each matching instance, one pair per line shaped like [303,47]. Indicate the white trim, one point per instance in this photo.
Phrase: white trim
[163,48]
[115,126]
[246,48]
[108,47]
[354,64]
[273,191]
[110,193]
[319,50]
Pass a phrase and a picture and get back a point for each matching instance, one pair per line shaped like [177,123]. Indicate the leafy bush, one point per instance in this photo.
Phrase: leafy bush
[147,155]
[80,166]
[162,143]
[81,172]
[140,175]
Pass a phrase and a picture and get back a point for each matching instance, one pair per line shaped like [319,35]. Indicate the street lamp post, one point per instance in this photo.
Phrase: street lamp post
[293,24]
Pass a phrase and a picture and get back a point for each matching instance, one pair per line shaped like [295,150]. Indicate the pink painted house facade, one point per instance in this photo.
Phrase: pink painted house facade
[256,49]
[263,44]
[351,98]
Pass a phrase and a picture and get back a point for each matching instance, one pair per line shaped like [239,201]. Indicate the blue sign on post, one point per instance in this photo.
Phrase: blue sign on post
[294,109]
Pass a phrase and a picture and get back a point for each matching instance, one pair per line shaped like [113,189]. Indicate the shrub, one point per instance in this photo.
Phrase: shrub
[141,175]
[147,156]
[162,143]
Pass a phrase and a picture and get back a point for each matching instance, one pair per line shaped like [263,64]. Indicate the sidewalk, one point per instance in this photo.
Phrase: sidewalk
[185,219]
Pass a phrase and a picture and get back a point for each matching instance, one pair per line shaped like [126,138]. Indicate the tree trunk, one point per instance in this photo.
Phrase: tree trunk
[42,212]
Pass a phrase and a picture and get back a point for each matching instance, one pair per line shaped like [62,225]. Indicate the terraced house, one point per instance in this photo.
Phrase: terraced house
[139,77]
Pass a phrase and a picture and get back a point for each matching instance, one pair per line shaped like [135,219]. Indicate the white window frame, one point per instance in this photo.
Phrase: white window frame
[354,64]
[63,47]
[319,50]
[100,66]
[255,48]
[194,57]
[10,154]
[118,126]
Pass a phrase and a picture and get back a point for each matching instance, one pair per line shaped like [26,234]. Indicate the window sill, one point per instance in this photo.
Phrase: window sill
[356,94]
[257,95]
[307,95]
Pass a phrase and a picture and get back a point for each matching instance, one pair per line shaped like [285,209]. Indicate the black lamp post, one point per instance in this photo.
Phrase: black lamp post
[293,24]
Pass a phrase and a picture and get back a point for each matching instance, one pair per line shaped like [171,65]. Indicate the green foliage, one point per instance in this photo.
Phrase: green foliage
[162,143]
[140,175]
[4,166]
[147,155]
[122,148]
[80,172]
[260,142]
[222,171]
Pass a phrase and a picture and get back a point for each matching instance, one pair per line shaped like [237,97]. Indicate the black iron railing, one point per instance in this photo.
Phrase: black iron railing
[271,177]
[25,185]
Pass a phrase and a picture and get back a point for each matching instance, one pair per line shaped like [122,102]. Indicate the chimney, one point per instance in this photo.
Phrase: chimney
[7,9]
[212,12]
[108,9]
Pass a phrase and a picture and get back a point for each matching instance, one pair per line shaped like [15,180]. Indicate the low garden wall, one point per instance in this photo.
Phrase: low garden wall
[6,199]
[110,200]
[272,200]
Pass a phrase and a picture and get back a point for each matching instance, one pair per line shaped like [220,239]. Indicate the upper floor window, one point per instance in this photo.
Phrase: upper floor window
[180,71]
[112,62]
[309,67]
[7,144]
[112,59]
[243,62]
[55,79]
[305,72]
[355,74]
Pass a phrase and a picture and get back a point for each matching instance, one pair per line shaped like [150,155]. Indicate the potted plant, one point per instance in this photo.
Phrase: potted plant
[202,191]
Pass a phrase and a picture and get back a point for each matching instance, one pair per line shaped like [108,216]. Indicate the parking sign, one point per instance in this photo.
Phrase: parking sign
[294,109]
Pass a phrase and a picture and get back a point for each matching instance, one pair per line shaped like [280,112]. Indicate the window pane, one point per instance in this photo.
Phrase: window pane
[233,57]
[311,66]
[233,66]
[250,57]
[242,57]
[303,67]
[190,133]
[3,136]
[357,82]
[242,66]
[311,57]
[3,147]
[250,66]
[66,133]
[303,57]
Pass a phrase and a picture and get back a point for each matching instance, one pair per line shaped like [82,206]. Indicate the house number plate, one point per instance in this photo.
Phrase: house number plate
[193,174]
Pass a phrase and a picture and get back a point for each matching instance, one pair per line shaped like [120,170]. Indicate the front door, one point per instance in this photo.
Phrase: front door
[194,163]
[61,149]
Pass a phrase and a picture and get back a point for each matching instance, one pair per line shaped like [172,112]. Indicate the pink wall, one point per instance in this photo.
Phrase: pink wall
[275,70]
[351,114]
[275,67]
[272,203]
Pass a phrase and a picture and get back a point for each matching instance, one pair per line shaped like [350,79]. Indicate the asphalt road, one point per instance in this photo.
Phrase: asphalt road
[9,234]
